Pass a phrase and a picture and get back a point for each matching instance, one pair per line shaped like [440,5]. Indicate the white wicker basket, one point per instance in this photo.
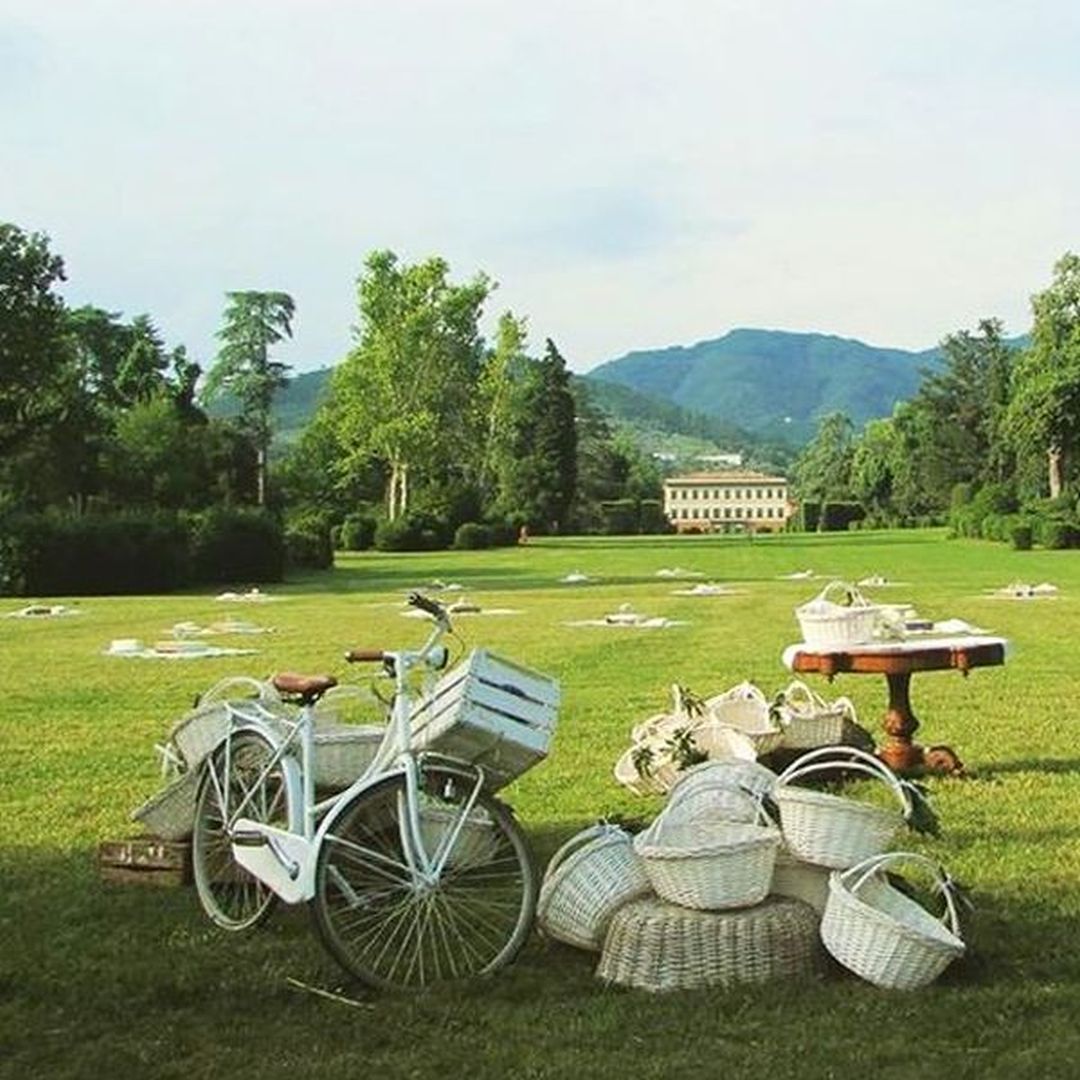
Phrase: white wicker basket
[201,730]
[343,753]
[826,624]
[745,709]
[809,720]
[800,880]
[716,791]
[710,866]
[170,813]
[832,830]
[587,880]
[883,935]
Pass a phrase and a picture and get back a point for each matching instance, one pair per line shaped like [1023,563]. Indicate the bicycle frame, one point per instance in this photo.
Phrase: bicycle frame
[285,859]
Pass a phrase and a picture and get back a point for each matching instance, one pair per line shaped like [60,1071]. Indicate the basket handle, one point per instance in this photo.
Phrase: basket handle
[856,876]
[827,757]
[797,691]
[578,840]
[852,597]
[761,815]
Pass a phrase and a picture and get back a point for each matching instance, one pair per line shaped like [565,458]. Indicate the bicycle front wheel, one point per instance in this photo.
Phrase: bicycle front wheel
[392,930]
[237,781]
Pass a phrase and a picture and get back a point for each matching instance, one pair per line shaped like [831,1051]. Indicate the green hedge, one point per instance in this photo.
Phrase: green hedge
[58,554]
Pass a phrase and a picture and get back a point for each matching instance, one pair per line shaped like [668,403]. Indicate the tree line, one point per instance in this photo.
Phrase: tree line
[989,442]
[425,421]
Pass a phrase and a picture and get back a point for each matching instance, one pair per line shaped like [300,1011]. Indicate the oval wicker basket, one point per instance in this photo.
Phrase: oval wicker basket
[883,935]
[170,813]
[826,624]
[587,880]
[722,864]
[800,880]
[833,830]
[716,791]
[656,946]
[746,709]
[810,721]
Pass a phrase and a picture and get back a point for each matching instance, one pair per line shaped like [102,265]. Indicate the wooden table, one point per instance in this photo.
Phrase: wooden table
[898,661]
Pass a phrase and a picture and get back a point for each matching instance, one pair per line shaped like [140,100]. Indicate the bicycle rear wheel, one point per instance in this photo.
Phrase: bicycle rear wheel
[392,931]
[235,778]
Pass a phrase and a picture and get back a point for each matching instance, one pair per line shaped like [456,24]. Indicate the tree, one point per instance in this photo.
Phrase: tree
[406,392]
[540,474]
[253,321]
[823,471]
[1044,414]
[35,358]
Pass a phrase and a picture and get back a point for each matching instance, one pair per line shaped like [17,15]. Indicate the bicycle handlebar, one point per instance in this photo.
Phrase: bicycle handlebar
[432,607]
[365,656]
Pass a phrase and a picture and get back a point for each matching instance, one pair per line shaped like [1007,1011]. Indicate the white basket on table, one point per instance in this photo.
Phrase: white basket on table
[809,721]
[745,709]
[587,880]
[716,791]
[827,624]
[835,830]
[721,864]
[882,934]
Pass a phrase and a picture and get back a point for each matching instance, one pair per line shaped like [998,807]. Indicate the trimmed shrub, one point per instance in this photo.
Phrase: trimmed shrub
[838,516]
[619,516]
[308,542]
[356,532]
[237,545]
[810,515]
[1022,536]
[503,533]
[411,532]
[651,518]
[472,536]
[1056,533]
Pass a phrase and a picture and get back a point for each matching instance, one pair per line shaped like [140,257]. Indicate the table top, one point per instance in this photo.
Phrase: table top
[898,657]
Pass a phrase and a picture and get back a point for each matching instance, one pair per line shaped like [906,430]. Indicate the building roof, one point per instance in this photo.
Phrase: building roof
[729,476]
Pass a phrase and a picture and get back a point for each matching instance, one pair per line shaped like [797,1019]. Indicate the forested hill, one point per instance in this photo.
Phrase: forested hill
[773,383]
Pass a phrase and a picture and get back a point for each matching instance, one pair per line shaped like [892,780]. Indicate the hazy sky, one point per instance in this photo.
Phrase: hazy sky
[633,174]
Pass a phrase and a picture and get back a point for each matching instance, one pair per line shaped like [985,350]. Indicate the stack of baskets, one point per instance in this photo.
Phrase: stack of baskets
[837,858]
[740,724]
[713,893]
[684,904]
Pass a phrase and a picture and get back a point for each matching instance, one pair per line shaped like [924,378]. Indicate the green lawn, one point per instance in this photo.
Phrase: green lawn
[101,979]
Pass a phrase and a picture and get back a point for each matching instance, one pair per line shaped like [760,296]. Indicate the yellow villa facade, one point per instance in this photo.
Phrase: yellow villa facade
[727,502]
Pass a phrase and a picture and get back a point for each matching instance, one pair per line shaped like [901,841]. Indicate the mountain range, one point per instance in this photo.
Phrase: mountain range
[746,387]
[774,384]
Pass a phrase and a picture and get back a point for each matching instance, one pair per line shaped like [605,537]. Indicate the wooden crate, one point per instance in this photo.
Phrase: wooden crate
[145,860]
[491,711]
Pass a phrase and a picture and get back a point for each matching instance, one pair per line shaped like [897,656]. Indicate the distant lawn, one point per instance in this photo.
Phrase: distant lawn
[99,980]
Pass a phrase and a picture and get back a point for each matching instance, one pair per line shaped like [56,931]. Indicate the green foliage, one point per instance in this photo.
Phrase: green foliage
[823,470]
[357,532]
[472,536]
[839,516]
[1021,535]
[231,546]
[58,554]
[810,513]
[411,532]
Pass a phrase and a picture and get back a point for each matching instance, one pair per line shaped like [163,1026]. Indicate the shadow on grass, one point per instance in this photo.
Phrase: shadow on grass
[1025,765]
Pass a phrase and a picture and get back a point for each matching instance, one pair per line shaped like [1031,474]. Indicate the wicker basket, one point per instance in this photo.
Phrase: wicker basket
[716,791]
[826,624]
[476,843]
[201,730]
[832,830]
[646,768]
[722,864]
[587,880]
[657,946]
[810,721]
[884,936]
[800,880]
[747,775]
[746,709]
[170,813]
[343,753]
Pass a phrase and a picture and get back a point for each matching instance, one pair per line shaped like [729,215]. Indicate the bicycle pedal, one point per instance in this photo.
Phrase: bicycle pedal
[250,839]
